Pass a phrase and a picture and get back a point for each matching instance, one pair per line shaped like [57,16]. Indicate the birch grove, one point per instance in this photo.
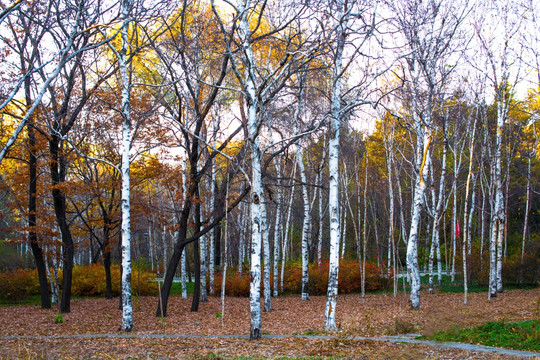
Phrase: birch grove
[370,143]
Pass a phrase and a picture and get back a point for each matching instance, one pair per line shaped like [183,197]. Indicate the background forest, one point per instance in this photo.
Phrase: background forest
[266,146]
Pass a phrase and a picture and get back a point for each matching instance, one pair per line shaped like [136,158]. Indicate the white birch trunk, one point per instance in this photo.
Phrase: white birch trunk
[127,310]
[319,183]
[256,233]
[320,234]
[242,244]
[257,221]
[183,268]
[454,220]
[150,247]
[287,228]
[211,253]
[437,209]
[165,249]
[422,162]
[333,169]
[305,227]
[364,231]
[279,227]
[55,283]
[266,244]
[202,248]
[343,243]
[466,227]
[388,144]
[527,207]
[499,211]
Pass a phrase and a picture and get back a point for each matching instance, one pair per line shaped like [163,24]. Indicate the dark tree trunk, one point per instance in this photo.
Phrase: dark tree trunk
[168,280]
[188,268]
[108,281]
[218,204]
[58,176]
[197,288]
[217,246]
[32,221]
[106,251]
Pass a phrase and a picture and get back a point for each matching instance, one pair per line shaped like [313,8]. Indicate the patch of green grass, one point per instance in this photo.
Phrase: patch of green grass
[313,332]
[30,300]
[59,318]
[176,288]
[523,335]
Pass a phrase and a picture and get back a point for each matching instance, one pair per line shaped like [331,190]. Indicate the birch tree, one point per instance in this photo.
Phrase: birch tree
[353,25]
[258,85]
[500,54]
[305,197]
[340,28]
[428,29]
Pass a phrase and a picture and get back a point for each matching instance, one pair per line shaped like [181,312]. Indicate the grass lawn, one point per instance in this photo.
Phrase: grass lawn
[521,335]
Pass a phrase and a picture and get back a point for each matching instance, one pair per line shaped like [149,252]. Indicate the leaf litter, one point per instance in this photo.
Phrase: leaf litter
[382,314]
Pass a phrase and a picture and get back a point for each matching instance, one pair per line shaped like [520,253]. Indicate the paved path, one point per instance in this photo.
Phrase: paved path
[409,338]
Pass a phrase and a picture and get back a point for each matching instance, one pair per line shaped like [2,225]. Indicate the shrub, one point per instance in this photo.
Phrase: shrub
[90,281]
[349,277]
[87,281]
[236,284]
[516,273]
[18,284]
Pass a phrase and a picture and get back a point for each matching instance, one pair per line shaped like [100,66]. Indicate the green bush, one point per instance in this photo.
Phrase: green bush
[513,272]
[516,273]
[9,258]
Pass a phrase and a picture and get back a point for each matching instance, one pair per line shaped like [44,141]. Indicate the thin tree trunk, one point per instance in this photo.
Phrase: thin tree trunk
[266,254]
[527,207]
[466,227]
[211,255]
[202,244]
[319,183]
[197,269]
[364,231]
[279,226]
[437,214]
[343,237]
[287,224]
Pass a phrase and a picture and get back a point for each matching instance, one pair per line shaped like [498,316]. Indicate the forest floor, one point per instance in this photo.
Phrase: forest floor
[28,332]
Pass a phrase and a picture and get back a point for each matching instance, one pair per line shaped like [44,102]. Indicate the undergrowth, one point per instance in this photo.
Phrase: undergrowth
[522,335]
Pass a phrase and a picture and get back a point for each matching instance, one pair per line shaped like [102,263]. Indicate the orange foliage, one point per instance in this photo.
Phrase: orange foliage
[237,284]
[18,284]
[349,278]
[87,281]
